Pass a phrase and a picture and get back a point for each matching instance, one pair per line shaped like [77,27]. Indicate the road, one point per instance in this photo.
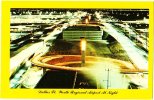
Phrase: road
[133,52]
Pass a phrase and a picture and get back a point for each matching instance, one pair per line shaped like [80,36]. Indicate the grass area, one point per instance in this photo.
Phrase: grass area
[94,48]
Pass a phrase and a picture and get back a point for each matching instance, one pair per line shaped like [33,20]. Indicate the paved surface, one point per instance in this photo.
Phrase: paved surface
[135,54]
[15,62]
[23,55]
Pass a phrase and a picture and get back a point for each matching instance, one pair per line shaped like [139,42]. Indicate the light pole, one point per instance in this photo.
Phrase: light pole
[108,78]
[83,50]
[108,72]
[83,54]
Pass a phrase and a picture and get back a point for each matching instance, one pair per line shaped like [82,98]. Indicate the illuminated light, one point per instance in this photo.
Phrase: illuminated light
[83,51]
[132,51]
[20,57]
[137,14]
[83,44]
[89,17]
[107,75]
[87,21]
[146,20]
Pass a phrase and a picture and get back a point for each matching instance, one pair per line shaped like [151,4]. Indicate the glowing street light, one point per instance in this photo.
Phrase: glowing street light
[83,50]
[83,44]
[86,21]
[89,17]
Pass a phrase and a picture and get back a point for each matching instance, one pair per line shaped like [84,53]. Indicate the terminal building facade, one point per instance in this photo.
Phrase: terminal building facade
[87,31]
